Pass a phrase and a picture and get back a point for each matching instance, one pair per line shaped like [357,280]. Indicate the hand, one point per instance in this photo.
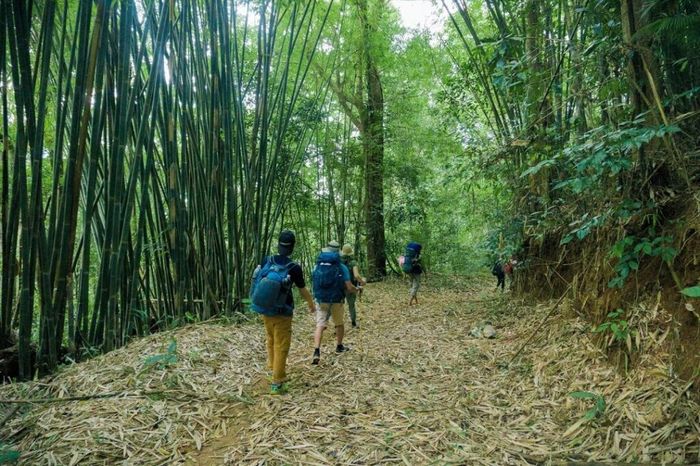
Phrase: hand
[363,281]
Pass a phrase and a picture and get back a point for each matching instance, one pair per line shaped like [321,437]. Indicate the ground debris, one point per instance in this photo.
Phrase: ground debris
[414,389]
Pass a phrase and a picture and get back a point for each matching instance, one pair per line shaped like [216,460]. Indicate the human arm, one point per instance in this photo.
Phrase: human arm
[304,292]
[360,279]
[349,287]
[298,279]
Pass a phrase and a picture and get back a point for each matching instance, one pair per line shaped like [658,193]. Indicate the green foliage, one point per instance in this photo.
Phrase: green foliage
[8,455]
[586,226]
[598,408]
[161,361]
[629,250]
[692,292]
[246,302]
[504,241]
[615,325]
[605,152]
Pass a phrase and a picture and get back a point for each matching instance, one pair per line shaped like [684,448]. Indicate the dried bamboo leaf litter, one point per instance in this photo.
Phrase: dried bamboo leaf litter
[414,389]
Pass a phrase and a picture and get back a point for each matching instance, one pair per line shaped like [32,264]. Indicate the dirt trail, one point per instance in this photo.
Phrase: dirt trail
[379,402]
[416,389]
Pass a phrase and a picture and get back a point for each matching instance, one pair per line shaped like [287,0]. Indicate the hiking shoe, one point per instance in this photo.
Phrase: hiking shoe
[354,325]
[317,358]
[279,388]
[341,349]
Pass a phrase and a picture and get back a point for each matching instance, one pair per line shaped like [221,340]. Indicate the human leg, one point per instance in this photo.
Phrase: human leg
[270,341]
[322,315]
[415,285]
[282,334]
[352,298]
[337,313]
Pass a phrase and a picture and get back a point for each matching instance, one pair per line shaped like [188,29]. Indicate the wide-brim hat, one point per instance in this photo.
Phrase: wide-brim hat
[347,250]
[332,246]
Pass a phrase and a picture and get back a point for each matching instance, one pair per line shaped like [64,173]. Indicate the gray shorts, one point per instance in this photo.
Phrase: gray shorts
[326,311]
[415,284]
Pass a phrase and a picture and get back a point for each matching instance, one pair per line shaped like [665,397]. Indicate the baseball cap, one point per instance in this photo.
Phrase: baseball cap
[285,243]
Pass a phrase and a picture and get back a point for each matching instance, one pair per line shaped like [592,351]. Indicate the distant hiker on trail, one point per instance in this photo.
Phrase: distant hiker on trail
[355,277]
[497,270]
[412,265]
[509,268]
[271,296]
[501,270]
[331,280]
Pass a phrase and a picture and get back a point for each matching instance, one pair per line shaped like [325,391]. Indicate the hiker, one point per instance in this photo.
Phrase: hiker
[331,281]
[508,270]
[497,270]
[412,265]
[271,296]
[346,257]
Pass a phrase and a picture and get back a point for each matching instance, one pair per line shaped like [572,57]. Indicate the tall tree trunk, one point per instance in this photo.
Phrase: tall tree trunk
[373,147]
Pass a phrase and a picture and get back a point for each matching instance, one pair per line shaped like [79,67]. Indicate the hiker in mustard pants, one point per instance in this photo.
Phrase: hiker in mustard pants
[271,296]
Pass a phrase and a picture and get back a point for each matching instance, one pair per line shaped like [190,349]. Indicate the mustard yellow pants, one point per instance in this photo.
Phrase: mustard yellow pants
[279,337]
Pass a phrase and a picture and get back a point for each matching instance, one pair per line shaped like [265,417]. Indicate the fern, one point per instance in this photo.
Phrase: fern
[675,28]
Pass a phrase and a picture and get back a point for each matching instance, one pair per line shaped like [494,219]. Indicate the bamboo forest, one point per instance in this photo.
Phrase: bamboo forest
[349,232]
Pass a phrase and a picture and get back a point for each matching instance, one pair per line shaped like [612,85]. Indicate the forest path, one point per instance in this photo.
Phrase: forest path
[384,400]
[400,394]
[416,389]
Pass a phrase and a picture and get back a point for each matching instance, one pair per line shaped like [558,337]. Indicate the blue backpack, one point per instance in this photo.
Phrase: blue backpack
[327,277]
[410,257]
[271,285]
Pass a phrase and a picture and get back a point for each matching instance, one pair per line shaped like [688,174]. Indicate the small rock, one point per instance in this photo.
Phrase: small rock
[488,331]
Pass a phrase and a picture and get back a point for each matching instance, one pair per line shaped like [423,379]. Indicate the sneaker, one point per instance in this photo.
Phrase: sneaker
[341,349]
[317,358]
[279,388]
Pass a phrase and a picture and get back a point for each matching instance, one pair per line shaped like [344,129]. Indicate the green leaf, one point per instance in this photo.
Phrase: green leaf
[583,232]
[616,282]
[533,170]
[624,271]
[600,404]
[602,327]
[8,456]
[668,254]
[692,292]
[567,239]
[618,249]
[591,414]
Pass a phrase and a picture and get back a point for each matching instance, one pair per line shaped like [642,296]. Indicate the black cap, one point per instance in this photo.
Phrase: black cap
[285,244]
